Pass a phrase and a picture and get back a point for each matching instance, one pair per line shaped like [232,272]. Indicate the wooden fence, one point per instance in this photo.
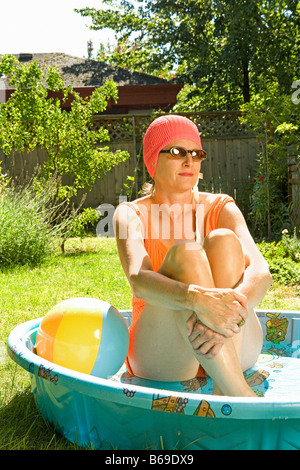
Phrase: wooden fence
[231,147]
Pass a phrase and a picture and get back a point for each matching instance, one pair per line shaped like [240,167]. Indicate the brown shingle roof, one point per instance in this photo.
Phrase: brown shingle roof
[79,72]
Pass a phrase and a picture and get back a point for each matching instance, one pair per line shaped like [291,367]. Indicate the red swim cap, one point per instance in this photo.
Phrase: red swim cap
[164,130]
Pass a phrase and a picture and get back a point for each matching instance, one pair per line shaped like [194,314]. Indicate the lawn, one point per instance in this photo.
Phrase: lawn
[89,268]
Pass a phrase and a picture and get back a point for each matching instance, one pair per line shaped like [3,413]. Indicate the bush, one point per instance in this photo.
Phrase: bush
[26,233]
[283,258]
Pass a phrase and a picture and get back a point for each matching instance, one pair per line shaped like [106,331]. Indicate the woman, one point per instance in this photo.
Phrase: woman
[193,296]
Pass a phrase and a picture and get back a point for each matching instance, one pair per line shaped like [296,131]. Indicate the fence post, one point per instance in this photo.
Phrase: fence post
[134,155]
[294,186]
[3,162]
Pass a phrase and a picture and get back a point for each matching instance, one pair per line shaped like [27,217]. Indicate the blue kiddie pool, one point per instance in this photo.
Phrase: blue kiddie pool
[126,412]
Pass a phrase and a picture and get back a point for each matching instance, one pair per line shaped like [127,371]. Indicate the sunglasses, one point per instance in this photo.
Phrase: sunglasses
[178,152]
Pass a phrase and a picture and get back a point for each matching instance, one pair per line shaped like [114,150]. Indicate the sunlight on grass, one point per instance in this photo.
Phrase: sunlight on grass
[27,293]
[281,297]
[89,268]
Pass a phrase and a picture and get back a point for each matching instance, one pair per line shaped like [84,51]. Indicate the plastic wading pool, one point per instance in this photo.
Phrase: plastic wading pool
[126,412]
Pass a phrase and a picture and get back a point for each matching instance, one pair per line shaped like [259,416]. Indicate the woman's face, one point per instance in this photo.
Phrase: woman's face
[177,173]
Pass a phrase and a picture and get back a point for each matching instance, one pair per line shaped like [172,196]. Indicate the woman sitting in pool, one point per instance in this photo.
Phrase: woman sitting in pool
[194,269]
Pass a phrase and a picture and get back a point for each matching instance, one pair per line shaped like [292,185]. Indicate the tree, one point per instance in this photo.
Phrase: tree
[31,119]
[133,55]
[219,44]
[276,125]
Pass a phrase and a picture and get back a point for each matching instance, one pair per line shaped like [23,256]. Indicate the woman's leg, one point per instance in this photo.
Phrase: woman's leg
[226,262]
[220,244]
[160,348]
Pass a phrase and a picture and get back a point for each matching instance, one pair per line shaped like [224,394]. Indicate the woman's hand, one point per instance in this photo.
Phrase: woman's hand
[221,310]
[204,340]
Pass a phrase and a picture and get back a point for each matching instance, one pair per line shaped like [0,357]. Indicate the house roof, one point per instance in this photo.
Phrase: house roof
[136,90]
[80,72]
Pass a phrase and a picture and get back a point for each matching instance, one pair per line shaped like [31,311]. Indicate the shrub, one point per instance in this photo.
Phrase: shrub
[26,233]
[283,258]
[291,245]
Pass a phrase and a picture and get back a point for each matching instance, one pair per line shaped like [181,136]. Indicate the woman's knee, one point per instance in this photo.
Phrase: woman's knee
[183,252]
[225,255]
[223,241]
[182,258]
[222,236]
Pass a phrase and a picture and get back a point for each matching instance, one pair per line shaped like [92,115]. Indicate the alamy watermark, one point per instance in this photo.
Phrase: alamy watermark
[296,94]
[162,222]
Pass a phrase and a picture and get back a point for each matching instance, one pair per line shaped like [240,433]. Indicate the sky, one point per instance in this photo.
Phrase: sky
[33,26]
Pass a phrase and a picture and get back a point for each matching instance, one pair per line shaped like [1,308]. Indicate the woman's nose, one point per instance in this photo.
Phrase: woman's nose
[188,160]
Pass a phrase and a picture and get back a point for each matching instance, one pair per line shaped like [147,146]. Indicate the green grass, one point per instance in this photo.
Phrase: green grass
[88,268]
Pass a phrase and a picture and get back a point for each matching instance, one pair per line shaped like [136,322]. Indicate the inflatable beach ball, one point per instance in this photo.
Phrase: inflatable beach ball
[84,334]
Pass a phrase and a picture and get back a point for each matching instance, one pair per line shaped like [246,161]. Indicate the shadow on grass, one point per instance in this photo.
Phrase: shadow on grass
[78,254]
[23,428]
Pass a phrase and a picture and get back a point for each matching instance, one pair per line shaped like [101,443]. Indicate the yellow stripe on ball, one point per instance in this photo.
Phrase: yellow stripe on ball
[78,336]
